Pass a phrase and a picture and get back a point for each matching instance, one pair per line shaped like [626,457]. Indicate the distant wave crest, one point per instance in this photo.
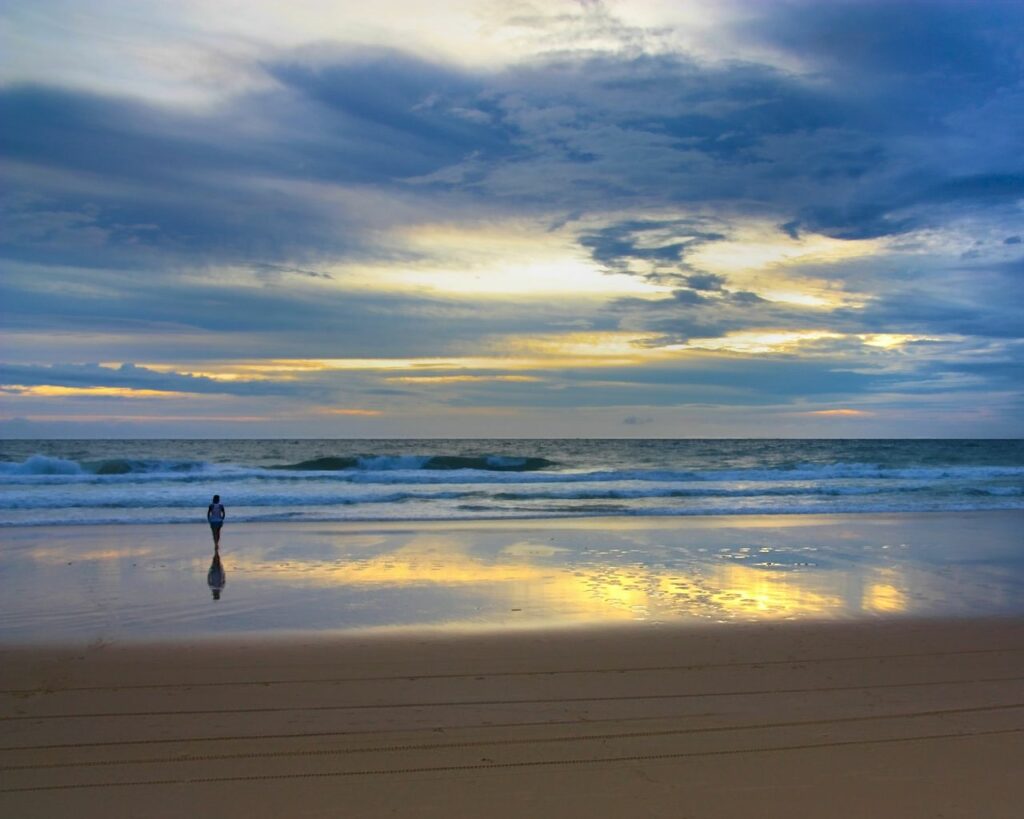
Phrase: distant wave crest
[386,463]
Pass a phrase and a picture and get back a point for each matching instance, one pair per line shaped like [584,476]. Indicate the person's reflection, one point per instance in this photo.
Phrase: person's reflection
[216,578]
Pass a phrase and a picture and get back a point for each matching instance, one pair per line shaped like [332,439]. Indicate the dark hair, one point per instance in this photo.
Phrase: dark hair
[216,498]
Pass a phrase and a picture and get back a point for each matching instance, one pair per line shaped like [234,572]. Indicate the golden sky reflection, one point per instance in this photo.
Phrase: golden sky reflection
[57,555]
[884,593]
[538,579]
[529,576]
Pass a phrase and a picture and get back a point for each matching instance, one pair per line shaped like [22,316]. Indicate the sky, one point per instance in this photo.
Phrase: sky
[603,218]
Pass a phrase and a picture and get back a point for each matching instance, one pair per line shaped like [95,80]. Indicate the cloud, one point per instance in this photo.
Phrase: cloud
[707,379]
[983,299]
[896,41]
[651,248]
[131,377]
[277,271]
[257,220]
[386,115]
[705,281]
[257,178]
[205,315]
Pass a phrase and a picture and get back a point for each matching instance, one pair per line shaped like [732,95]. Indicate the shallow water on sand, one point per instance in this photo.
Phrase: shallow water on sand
[115,583]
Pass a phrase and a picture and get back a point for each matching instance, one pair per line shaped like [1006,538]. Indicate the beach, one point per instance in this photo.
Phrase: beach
[896,718]
[583,409]
[840,665]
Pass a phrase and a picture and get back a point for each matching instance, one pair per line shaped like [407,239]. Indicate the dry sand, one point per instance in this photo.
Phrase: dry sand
[872,719]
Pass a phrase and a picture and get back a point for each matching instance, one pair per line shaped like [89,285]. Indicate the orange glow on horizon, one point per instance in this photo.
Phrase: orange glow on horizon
[461,379]
[349,411]
[841,413]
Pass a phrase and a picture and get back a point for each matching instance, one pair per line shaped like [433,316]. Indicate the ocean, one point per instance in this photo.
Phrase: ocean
[57,482]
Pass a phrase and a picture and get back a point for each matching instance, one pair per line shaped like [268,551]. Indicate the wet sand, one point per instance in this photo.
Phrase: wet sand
[76,584]
[908,718]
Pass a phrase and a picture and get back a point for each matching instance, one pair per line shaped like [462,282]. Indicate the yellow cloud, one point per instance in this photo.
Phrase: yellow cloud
[758,341]
[757,257]
[598,346]
[505,355]
[55,391]
[460,379]
[757,248]
[508,259]
[106,416]
[892,340]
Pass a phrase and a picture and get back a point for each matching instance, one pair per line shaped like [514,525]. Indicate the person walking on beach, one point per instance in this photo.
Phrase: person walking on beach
[215,514]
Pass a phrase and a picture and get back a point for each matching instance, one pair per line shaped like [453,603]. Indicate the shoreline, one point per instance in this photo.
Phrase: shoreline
[619,520]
